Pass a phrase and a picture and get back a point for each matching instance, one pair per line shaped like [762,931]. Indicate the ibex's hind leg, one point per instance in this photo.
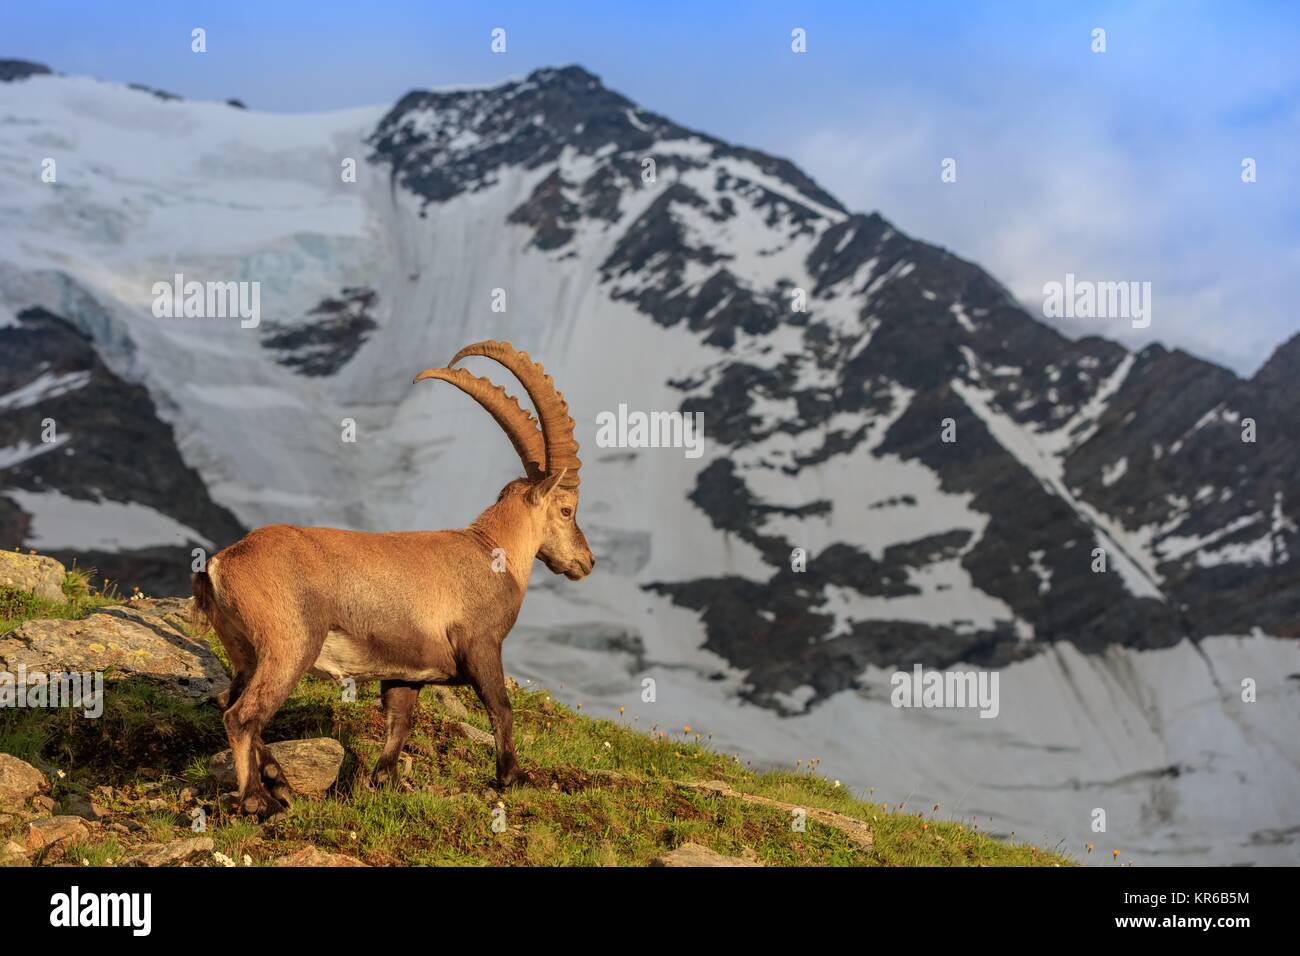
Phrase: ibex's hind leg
[272,682]
[272,773]
[400,698]
[482,666]
[243,662]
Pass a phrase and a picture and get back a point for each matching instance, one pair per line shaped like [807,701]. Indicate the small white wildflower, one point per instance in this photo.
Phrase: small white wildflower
[248,860]
[837,783]
[222,859]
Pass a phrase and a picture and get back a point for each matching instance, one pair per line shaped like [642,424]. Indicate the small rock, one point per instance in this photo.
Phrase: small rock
[310,766]
[19,782]
[313,856]
[55,831]
[34,574]
[156,804]
[447,700]
[470,732]
[6,819]
[43,803]
[79,805]
[175,611]
[13,854]
[173,853]
[692,854]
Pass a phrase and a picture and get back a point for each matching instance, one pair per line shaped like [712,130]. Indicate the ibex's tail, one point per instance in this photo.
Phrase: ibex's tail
[203,613]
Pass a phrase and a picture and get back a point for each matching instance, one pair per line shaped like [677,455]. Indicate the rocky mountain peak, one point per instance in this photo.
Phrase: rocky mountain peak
[440,144]
[13,70]
[1280,375]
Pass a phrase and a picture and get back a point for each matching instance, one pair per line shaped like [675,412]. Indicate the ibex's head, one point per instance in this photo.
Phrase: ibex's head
[555,513]
[549,451]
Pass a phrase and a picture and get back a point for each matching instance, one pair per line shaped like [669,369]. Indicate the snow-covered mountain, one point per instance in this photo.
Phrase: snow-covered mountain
[830,356]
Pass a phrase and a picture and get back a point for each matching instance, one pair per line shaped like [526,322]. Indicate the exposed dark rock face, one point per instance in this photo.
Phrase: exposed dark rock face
[155,92]
[12,70]
[110,446]
[549,211]
[440,145]
[328,337]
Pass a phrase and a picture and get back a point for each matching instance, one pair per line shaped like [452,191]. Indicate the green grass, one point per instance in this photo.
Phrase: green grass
[18,606]
[606,793]
[95,853]
[28,734]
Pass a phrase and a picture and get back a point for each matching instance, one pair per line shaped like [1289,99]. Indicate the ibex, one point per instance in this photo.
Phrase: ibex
[407,608]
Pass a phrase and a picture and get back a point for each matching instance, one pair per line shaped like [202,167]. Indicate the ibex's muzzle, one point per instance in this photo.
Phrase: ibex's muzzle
[580,568]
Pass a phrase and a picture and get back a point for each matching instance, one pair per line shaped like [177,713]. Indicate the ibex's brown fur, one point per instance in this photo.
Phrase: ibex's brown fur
[406,608]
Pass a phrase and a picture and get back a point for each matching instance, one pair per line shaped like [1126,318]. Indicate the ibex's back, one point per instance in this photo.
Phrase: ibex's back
[407,608]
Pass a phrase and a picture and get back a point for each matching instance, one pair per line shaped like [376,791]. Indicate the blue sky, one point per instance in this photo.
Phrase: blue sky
[1123,165]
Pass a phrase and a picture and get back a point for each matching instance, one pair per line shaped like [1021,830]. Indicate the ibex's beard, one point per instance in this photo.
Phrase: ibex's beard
[573,570]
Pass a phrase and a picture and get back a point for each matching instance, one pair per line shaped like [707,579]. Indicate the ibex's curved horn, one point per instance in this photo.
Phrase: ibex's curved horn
[552,409]
[520,427]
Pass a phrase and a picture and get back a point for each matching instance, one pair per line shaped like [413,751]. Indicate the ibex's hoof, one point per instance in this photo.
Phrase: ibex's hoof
[263,806]
[515,778]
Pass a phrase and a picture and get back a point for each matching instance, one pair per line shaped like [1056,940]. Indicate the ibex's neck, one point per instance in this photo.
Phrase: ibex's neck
[506,525]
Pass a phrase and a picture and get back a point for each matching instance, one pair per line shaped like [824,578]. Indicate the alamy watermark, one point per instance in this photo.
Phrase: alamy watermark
[180,299]
[76,690]
[632,429]
[1084,299]
[922,688]
[133,911]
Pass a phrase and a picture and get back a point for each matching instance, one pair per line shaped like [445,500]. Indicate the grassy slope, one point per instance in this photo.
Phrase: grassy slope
[17,606]
[608,794]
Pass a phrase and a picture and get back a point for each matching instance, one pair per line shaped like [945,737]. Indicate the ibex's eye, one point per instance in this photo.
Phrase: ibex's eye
[567,512]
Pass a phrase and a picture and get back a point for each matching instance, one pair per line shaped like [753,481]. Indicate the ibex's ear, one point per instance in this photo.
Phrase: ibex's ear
[542,490]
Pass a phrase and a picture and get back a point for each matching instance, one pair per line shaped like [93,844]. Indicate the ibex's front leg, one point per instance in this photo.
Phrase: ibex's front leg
[400,698]
[484,673]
